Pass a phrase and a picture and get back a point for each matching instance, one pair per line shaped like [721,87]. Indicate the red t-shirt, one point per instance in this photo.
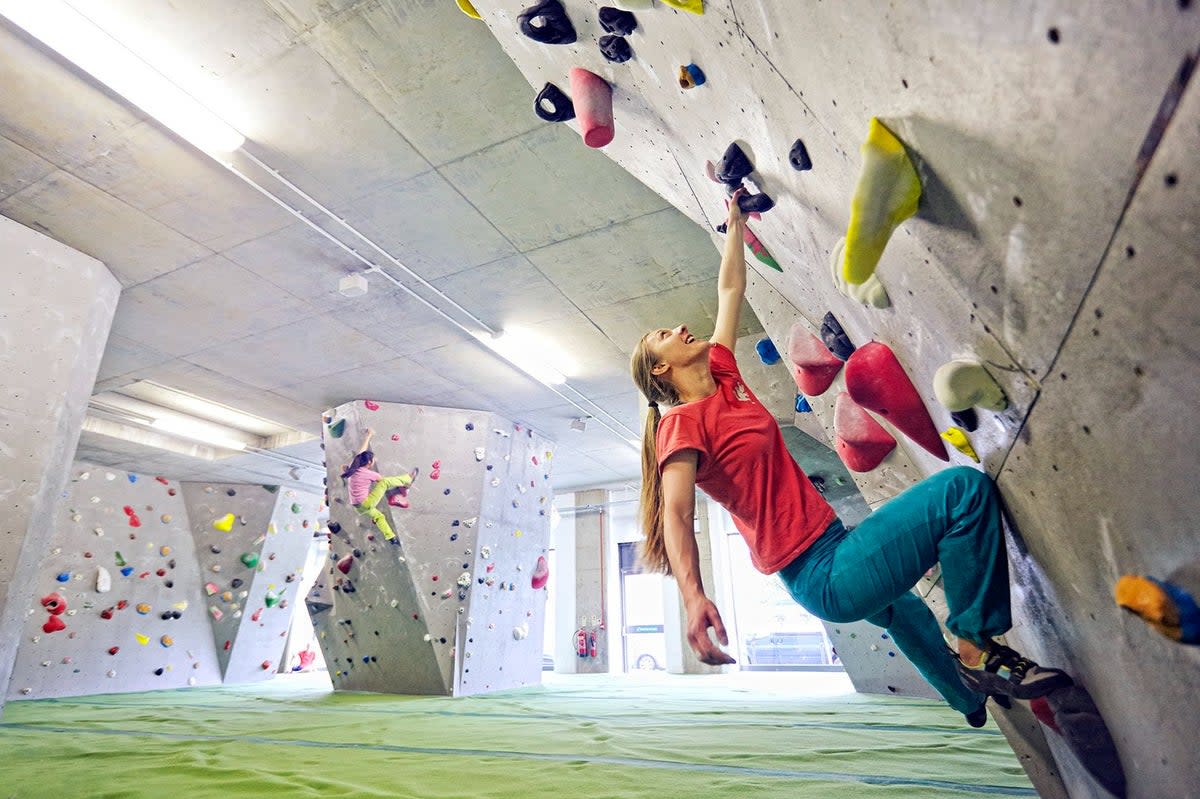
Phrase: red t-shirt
[745,466]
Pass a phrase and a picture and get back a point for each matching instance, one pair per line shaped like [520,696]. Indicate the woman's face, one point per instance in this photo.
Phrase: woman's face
[676,346]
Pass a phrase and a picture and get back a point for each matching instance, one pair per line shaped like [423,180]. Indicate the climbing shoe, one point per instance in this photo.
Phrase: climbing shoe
[1003,672]
[978,717]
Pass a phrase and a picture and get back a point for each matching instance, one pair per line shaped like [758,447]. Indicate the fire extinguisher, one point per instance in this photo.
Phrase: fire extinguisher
[581,642]
[591,643]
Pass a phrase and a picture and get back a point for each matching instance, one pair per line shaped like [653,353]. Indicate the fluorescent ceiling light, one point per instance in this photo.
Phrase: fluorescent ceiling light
[196,431]
[535,357]
[68,32]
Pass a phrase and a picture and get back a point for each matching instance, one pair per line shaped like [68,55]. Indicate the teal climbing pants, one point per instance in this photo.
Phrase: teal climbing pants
[867,572]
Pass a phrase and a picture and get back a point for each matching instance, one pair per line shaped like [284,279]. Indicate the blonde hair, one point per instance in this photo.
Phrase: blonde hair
[653,553]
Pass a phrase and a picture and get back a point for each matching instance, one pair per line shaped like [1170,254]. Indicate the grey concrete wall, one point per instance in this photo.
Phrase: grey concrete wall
[1056,241]
[93,532]
[451,609]
[591,551]
[56,308]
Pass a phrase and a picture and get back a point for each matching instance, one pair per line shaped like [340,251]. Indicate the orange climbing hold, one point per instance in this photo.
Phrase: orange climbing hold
[861,442]
[814,367]
[877,381]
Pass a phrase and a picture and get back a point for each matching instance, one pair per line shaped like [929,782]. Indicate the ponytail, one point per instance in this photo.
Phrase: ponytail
[653,551]
[360,460]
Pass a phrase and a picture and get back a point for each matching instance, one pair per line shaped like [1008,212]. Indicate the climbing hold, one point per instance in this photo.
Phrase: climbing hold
[887,193]
[112,650]
[835,337]
[266,664]
[63,577]
[225,523]
[961,384]
[54,603]
[733,167]
[869,292]
[345,563]
[53,624]
[334,527]
[757,249]
[255,616]
[877,381]
[593,103]
[547,22]
[295,507]
[162,480]
[468,9]
[767,353]
[142,639]
[691,76]
[338,428]
[802,405]
[614,20]
[541,574]
[370,405]
[142,608]
[1074,716]
[958,439]
[132,478]
[164,550]
[694,6]
[166,518]
[861,442]
[216,613]
[271,599]
[814,367]
[480,453]
[521,631]
[968,420]
[755,204]
[211,588]
[107,613]
[249,559]
[1169,606]
[798,157]
[615,49]
[126,571]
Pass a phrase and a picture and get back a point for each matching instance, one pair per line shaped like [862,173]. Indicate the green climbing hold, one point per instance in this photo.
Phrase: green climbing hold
[249,560]
[271,489]
[295,507]
[120,559]
[337,428]
[271,599]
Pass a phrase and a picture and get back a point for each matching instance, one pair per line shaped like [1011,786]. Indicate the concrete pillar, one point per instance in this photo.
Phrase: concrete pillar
[591,577]
[680,657]
[56,309]
[566,620]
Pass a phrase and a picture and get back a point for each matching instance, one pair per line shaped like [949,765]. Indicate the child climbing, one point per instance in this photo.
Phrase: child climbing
[368,487]
[716,435]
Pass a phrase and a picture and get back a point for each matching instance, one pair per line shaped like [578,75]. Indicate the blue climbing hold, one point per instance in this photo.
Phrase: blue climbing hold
[128,570]
[802,405]
[63,577]
[767,352]
[132,478]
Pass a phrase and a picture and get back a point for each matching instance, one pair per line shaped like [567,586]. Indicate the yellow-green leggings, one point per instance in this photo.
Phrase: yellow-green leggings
[378,489]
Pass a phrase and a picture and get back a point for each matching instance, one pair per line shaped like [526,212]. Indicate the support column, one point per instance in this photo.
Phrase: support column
[680,657]
[56,309]
[591,577]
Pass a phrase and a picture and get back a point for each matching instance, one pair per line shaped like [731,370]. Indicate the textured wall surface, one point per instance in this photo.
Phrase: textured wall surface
[450,609]
[1055,241]
[135,528]
[56,308]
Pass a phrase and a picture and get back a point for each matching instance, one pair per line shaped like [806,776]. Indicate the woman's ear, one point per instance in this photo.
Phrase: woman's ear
[659,369]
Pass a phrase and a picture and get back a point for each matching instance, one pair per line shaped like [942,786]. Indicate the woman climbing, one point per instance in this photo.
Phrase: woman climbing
[716,435]
[367,487]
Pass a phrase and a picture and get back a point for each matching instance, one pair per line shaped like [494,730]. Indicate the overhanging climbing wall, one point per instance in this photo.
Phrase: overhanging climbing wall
[251,542]
[457,605]
[1055,242]
[118,603]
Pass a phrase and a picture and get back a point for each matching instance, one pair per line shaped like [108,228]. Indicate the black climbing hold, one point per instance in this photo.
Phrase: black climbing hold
[547,22]
[755,203]
[799,157]
[734,165]
[818,482]
[216,550]
[334,528]
[175,614]
[470,426]
[561,109]
[169,583]
[358,553]
[618,21]
[835,337]
[236,583]
[615,49]
[723,227]
[158,672]
[166,615]
[968,420]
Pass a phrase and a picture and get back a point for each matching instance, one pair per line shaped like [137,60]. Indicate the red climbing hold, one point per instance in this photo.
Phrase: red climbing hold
[592,97]
[54,603]
[266,664]
[257,614]
[107,613]
[162,480]
[134,521]
[53,624]
[370,406]
[541,573]
[877,381]
[345,563]
[814,367]
[861,442]
[128,510]
[112,650]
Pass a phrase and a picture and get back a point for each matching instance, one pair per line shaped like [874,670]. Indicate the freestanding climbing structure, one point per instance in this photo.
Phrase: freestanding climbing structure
[450,607]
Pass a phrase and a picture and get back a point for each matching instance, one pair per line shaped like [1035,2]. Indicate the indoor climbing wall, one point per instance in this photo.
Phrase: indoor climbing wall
[251,543]
[456,605]
[117,600]
[1054,148]
[64,301]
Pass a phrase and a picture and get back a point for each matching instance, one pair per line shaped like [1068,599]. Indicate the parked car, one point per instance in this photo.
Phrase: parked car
[788,649]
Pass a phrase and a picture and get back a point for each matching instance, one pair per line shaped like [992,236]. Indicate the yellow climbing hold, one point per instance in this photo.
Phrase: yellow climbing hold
[142,639]
[468,9]
[958,439]
[694,6]
[887,193]
[225,523]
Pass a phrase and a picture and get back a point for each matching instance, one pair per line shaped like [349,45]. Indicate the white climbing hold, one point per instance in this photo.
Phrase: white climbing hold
[479,453]
[870,292]
[964,383]
[103,580]
[521,632]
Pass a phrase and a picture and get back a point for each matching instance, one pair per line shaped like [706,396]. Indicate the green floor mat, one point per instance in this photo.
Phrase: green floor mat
[733,735]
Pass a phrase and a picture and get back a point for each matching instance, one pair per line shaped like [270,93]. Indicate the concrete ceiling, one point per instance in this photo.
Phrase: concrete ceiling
[369,110]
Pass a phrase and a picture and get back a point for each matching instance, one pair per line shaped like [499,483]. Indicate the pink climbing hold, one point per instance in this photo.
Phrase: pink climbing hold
[345,563]
[861,442]
[814,367]
[592,97]
[541,573]
[395,436]
[53,624]
[256,615]
[370,406]
[877,381]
